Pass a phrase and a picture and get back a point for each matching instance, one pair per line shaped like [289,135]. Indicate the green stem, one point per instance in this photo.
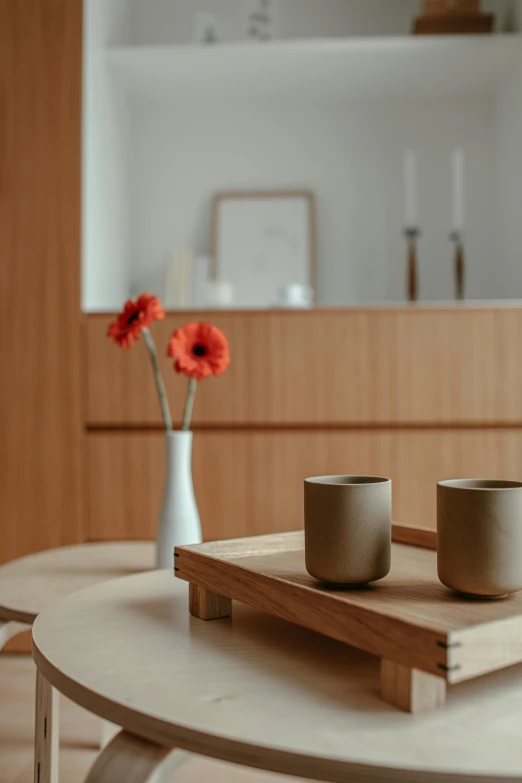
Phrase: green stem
[189,404]
[167,418]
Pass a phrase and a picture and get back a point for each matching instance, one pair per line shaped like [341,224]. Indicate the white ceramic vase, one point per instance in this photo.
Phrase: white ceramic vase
[179,522]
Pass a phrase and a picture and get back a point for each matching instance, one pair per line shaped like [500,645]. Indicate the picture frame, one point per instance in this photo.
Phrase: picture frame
[263,241]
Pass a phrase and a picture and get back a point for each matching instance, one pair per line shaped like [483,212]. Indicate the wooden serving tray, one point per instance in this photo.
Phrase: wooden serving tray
[425,635]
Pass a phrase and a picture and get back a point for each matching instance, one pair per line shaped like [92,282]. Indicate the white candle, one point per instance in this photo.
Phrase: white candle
[458,190]
[410,189]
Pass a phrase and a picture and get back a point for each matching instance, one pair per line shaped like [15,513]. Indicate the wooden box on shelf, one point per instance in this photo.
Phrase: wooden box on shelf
[453,17]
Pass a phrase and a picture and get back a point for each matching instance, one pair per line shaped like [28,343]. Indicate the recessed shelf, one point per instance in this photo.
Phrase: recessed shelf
[168,126]
[357,69]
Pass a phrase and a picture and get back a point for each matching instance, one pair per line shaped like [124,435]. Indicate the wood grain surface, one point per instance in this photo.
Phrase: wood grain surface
[415,536]
[411,689]
[207,605]
[40,233]
[31,583]
[278,584]
[262,692]
[251,482]
[408,617]
[293,541]
[395,366]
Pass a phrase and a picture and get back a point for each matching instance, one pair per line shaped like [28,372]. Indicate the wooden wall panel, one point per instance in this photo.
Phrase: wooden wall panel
[382,366]
[40,232]
[249,483]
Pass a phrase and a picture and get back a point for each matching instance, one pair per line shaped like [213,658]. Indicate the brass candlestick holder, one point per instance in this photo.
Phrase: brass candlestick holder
[412,235]
[459,264]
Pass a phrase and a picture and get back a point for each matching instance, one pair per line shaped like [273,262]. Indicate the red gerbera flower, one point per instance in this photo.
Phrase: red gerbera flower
[200,350]
[136,315]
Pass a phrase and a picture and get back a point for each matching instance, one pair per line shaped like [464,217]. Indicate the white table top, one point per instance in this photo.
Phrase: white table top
[29,584]
[256,690]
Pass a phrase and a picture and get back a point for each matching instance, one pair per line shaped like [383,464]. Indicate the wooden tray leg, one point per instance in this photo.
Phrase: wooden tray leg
[411,689]
[207,605]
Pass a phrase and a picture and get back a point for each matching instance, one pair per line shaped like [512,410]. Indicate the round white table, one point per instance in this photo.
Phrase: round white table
[29,584]
[257,691]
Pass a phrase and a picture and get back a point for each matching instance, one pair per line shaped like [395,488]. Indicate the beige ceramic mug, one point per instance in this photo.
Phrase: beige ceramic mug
[479,524]
[347,528]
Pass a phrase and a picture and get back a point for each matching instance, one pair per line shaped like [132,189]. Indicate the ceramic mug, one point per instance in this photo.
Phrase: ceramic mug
[479,548]
[296,295]
[348,528]
[219,294]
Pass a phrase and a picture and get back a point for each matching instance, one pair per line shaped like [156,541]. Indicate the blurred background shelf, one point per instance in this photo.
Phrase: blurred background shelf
[394,68]
[167,126]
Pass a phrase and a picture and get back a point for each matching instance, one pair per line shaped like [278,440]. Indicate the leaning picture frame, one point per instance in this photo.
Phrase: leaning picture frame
[262,242]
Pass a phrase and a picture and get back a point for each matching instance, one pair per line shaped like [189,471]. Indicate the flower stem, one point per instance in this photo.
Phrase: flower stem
[189,404]
[167,418]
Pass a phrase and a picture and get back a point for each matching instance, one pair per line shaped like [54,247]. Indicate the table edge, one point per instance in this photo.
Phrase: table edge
[13,616]
[262,757]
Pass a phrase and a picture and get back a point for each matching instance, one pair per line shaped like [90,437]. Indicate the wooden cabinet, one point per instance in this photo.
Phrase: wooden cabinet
[40,185]
[251,482]
[417,394]
[400,366]
[41,424]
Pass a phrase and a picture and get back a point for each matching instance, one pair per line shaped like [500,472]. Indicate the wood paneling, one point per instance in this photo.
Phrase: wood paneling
[249,483]
[40,184]
[397,366]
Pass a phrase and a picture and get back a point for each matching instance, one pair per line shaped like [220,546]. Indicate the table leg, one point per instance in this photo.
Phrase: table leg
[107,733]
[8,630]
[130,759]
[208,605]
[411,689]
[46,742]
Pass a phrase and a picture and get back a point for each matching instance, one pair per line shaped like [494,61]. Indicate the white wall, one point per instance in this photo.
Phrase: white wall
[508,143]
[350,156]
[517,14]
[150,170]
[105,226]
